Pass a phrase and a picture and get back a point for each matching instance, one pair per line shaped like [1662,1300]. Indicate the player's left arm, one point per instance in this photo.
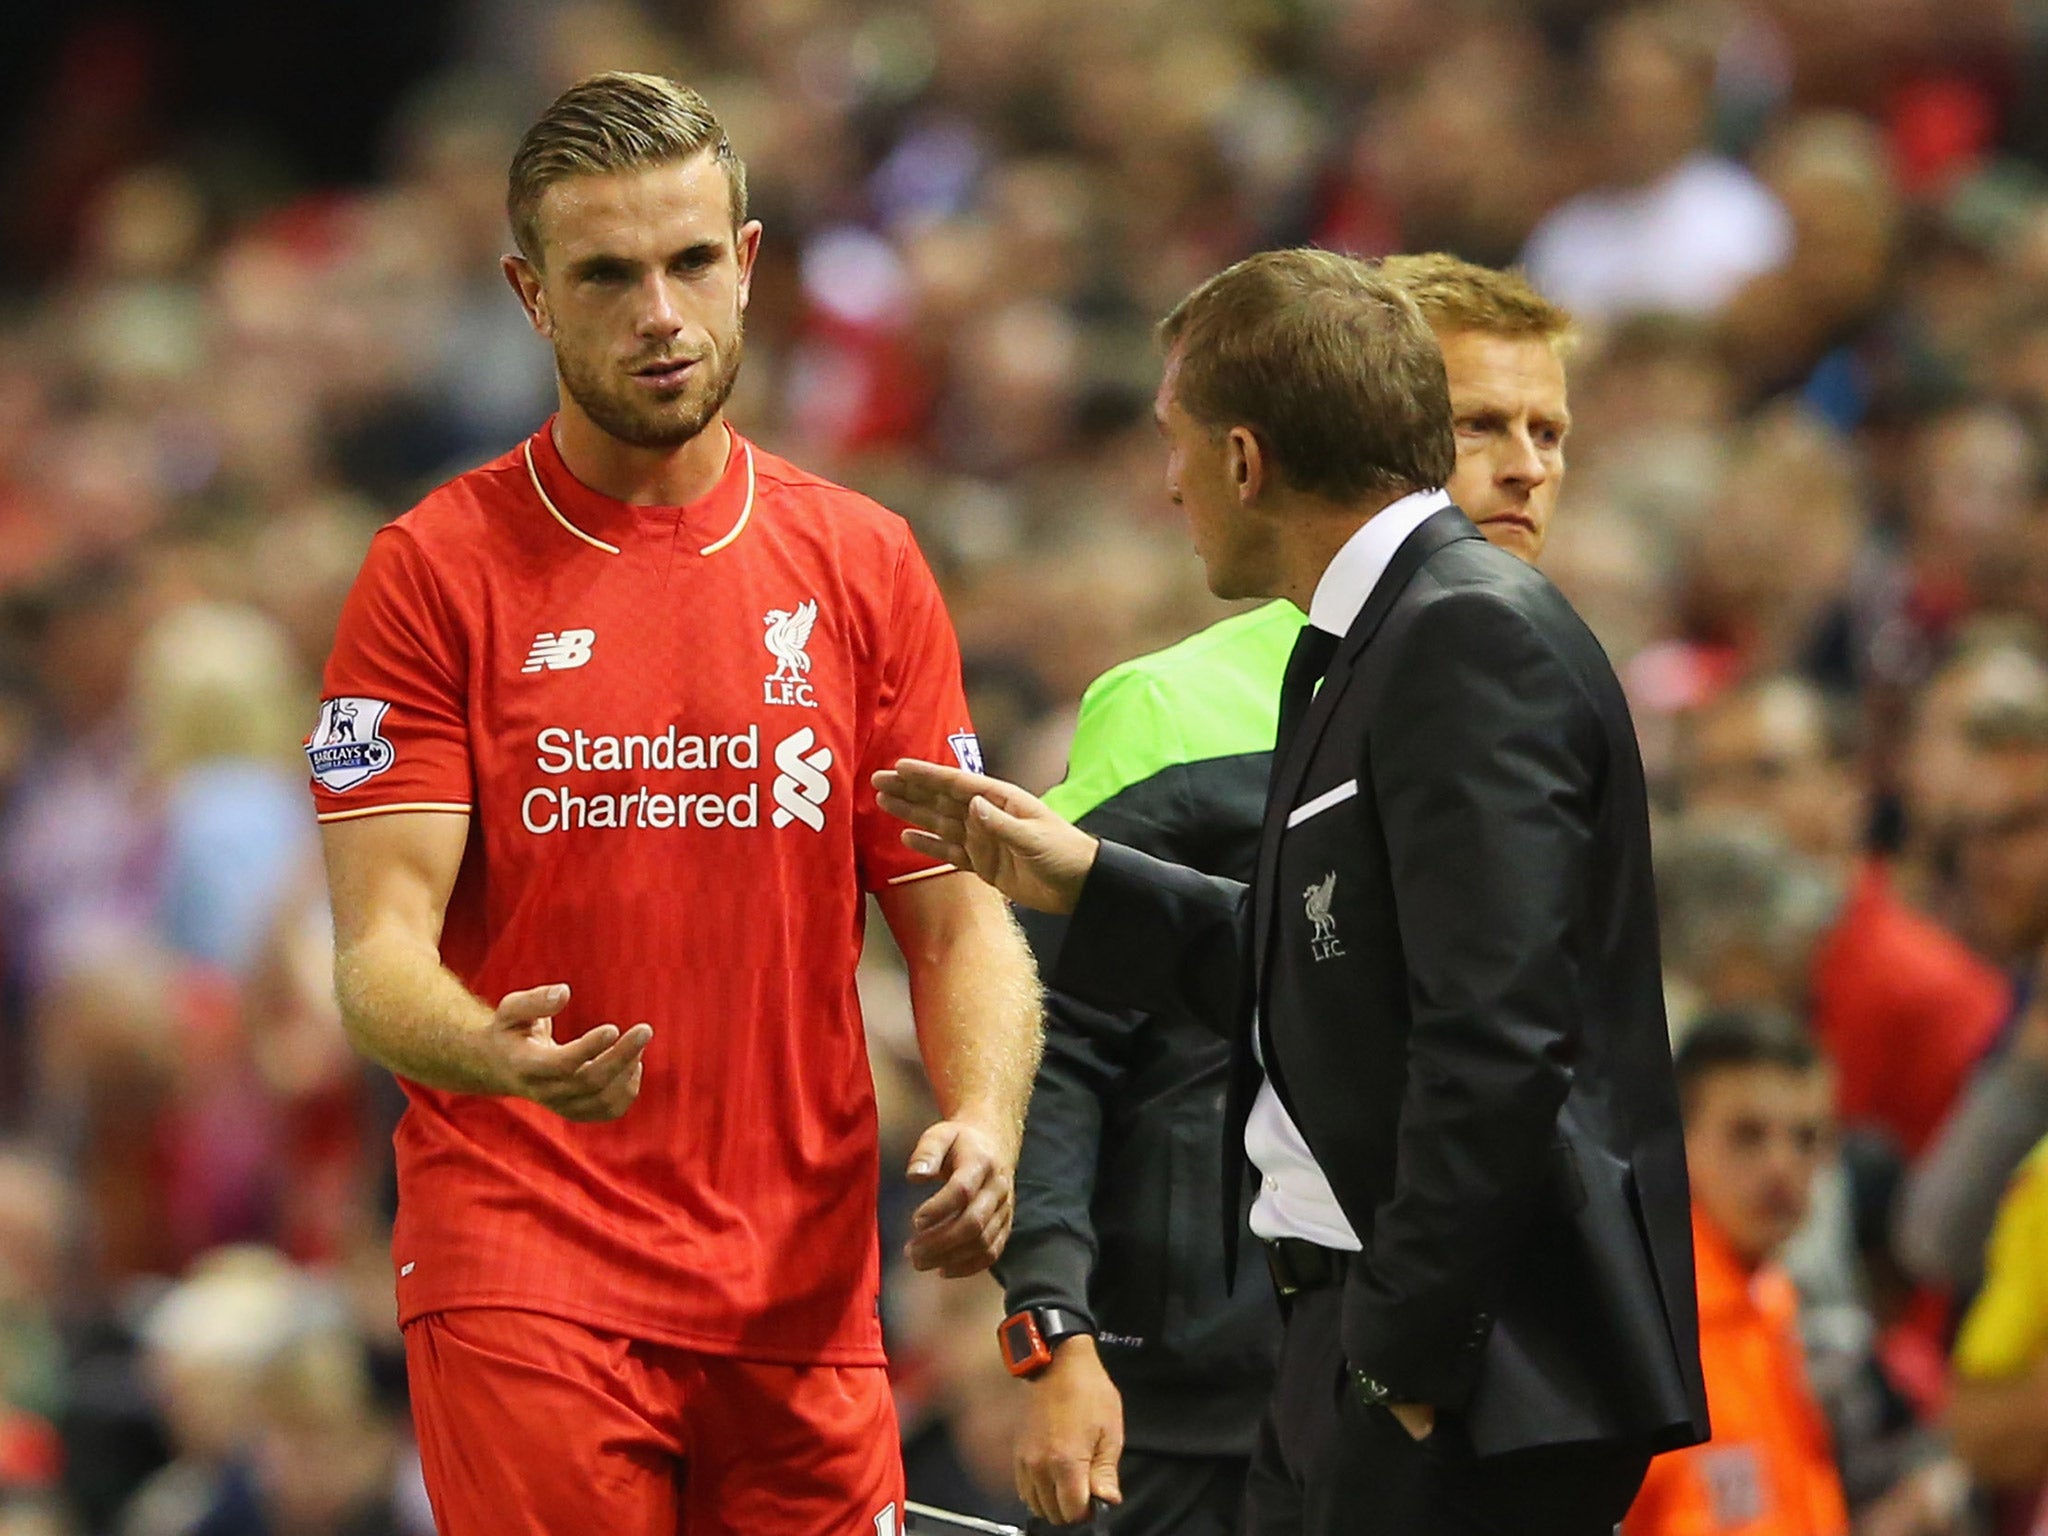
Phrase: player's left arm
[975,994]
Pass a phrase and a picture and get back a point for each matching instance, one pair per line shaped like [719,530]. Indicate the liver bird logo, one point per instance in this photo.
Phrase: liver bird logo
[1316,903]
[788,634]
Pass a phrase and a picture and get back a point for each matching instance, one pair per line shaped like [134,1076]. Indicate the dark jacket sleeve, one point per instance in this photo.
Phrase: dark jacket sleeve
[1487,773]
[1146,930]
[1052,1247]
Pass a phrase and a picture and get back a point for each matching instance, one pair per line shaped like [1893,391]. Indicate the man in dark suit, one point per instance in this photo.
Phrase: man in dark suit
[1452,1070]
[1159,1369]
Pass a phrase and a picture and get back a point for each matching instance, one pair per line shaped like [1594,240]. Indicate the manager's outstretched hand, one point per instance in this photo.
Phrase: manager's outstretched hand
[991,829]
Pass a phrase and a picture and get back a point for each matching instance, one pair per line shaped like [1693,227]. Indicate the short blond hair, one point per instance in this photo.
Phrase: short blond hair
[1327,362]
[1456,295]
[615,121]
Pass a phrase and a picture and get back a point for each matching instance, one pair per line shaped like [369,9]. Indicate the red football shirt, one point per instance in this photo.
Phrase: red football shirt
[661,721]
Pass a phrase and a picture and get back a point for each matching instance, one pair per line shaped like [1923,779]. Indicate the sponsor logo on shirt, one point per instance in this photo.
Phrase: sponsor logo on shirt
[801,788]
[346,748]
[797,792]
[789,631]
[558,651]
[967,748]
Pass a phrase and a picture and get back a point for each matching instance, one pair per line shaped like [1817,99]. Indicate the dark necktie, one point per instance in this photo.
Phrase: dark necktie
[1313,651]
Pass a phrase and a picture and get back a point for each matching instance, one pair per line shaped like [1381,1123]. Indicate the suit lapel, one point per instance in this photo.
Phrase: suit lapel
[1445,527]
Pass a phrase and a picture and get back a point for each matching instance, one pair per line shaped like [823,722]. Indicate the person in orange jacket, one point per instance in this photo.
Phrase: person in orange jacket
[1757,1102]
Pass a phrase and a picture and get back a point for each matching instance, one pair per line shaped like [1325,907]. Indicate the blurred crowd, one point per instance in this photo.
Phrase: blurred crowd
[1807,513]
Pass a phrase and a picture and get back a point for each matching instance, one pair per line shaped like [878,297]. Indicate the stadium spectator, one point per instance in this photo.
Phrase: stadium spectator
[1966,491]
[1995,821]
[1740,917]
[1671,226]
[1762,575]
[1994,668]
[37,1238]
[320,1458]
[78,840]
[1757,1129]
[34,1371]
[1902,1009]
[2001,834]
[1999,1413]
[1806,325]
[205,1346]
[218,705]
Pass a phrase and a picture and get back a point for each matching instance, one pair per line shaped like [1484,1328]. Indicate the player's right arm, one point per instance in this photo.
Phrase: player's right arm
[393,784]
[388,879]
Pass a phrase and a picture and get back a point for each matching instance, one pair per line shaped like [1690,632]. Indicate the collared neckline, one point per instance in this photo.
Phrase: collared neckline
[1356,569]
[711,522]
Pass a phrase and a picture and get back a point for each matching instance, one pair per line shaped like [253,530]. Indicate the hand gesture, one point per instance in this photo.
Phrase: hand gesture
[1072,1436]
[593,1077]
[961,1229]
[991,829]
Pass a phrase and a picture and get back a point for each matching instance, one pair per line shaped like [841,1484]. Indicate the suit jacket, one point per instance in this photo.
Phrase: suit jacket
[1451,941]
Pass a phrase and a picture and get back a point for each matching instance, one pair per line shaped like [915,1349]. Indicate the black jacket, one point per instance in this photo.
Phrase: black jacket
[1118,1182]
[1454,948]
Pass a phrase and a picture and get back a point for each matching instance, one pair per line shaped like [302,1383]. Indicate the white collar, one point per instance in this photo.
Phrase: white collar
[1349,578]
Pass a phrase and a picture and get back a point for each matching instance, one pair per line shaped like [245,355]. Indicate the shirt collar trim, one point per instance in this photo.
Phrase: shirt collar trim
[606,523]
[556,512]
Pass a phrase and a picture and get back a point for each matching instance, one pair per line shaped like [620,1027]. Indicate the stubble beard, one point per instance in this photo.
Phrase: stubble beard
[657,424]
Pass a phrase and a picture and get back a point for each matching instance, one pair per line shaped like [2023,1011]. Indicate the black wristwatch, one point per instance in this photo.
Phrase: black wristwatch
[1027,1337]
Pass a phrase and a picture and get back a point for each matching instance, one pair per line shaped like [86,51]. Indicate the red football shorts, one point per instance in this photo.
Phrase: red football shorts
[532,1426]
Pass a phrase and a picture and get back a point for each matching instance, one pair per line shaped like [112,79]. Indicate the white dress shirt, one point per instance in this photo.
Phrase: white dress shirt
[1294,1198]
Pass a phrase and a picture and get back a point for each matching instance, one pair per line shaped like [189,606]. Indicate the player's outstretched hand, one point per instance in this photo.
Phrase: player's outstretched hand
[596,1076]
[990,828]
[961,1229]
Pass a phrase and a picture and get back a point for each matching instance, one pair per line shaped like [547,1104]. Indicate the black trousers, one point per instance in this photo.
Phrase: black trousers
[1327,1464]
[1167,1495]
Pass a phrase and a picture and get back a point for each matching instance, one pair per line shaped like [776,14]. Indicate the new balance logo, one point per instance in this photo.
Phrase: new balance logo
[560,652]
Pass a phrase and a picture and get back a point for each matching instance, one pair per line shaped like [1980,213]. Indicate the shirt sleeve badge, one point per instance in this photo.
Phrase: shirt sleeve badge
[347,747]
[967,748]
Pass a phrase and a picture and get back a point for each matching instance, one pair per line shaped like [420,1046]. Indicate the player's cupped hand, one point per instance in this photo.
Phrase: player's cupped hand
[961,1229]
[989,828]
[596,1076]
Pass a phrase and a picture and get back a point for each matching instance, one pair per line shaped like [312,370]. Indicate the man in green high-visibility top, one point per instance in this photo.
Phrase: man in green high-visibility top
[1146,1379]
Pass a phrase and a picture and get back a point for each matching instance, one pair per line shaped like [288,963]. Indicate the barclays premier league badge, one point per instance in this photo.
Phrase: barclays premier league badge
[967,748]
[346,748]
